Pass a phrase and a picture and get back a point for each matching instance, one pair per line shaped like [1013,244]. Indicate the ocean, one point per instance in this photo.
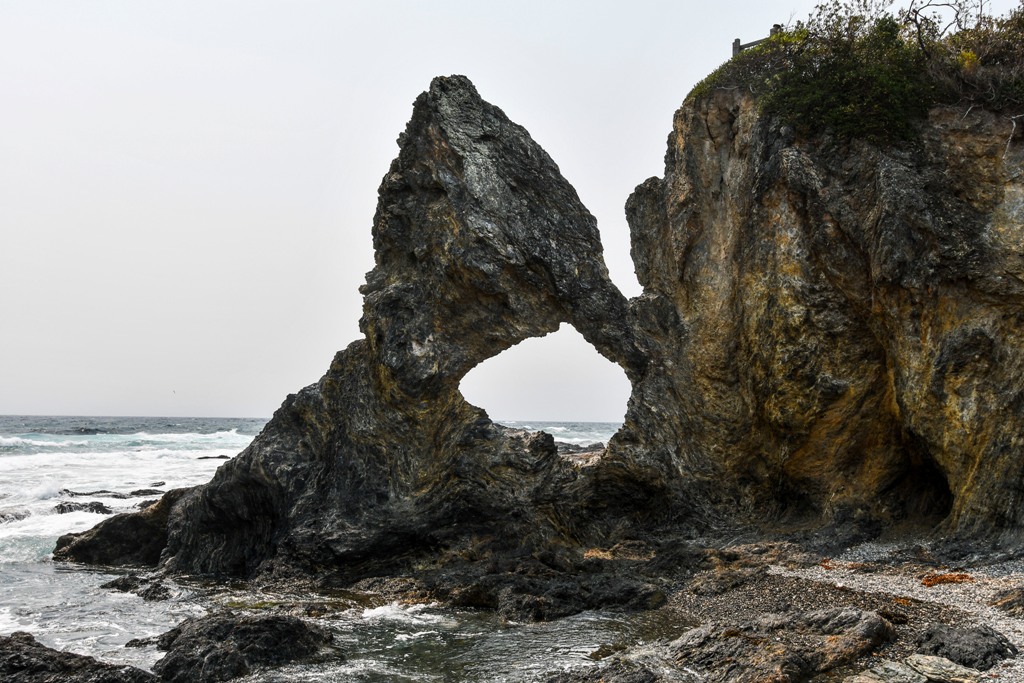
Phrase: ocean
[65,474]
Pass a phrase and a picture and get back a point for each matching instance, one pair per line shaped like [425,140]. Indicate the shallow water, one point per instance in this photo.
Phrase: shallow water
[43,460]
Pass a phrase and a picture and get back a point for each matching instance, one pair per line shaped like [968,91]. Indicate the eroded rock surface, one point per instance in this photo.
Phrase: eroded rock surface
[23,659]
[223,646]
[128,539]
[480,243]
[837,329]
[977,647]
[781,647]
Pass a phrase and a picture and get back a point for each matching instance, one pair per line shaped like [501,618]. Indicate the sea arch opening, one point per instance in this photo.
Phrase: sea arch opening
[557,378]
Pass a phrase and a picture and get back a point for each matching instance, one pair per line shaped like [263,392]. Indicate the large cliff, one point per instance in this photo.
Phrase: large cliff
[828,331]
[839,325]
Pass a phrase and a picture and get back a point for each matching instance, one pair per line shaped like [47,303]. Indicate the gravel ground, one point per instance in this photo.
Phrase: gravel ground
[874,573]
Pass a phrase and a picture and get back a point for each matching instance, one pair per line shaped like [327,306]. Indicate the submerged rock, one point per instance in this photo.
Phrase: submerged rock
[620,671]
[24,660]
[147,588]
[14,515]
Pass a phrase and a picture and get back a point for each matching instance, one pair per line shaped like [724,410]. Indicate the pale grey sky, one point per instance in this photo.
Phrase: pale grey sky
[187,188]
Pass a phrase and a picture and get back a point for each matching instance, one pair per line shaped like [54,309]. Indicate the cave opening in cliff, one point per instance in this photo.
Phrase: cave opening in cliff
[558,377]
[924,489]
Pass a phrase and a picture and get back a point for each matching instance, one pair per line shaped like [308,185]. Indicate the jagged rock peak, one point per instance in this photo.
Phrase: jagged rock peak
[480,243]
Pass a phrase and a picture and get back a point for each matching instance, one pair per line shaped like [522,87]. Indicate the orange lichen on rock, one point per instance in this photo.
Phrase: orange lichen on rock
[936,579]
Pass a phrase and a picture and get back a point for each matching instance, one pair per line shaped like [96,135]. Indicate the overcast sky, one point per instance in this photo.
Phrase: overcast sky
[187,188]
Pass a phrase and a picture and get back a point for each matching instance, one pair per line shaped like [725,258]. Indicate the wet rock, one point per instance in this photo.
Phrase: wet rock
[95,507]
[103,493]
[214,457]
[977,647]
[526,594]
[147,588]
[13,515]
[575,448]
[619,671]
[781,647]
[219,647]
[125,539]
[942,670]
[24,660]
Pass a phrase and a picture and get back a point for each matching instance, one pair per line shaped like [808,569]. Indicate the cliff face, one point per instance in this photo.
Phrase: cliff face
[839,326]
[827,331]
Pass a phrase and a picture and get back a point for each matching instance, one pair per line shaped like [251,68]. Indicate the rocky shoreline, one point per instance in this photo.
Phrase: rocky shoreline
[829,343]
[728,609]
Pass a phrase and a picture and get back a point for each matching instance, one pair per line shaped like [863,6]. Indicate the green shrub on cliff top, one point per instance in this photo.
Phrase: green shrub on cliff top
[858,71]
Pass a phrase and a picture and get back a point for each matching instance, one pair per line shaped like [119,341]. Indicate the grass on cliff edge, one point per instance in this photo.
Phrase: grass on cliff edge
[857,70]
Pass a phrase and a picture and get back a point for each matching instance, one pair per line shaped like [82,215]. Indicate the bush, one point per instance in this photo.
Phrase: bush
[856,70]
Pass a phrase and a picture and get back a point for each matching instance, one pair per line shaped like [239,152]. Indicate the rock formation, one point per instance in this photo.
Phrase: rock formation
[223,646]
[785,648]
[480,243]
[838,326]
[23,659]
[828,330]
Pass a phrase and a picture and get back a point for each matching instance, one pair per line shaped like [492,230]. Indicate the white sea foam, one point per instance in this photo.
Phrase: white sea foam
[49,488]
[9,442]
[401,637]
[410,614]
[8,622]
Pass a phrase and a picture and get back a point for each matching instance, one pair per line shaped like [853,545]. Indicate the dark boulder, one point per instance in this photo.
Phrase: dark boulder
[977,647]
[222,646]
[147,588]
[95,507]
[24,660]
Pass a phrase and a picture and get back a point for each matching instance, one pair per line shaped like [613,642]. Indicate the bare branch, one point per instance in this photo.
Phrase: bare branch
[1013,120]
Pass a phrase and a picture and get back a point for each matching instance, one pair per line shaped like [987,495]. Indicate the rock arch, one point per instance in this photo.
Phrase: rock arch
[479,244]
[555,377]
